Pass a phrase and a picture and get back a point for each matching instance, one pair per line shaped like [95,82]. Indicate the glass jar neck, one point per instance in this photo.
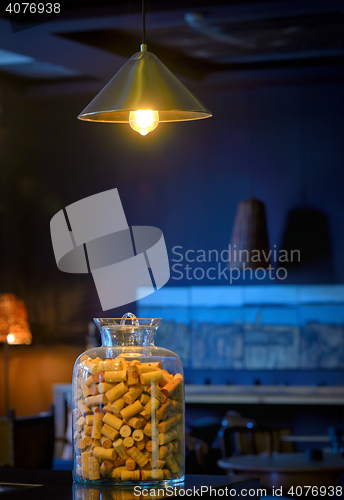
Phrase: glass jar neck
[126,336]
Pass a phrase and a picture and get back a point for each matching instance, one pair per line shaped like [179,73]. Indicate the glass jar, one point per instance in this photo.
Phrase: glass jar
[128,407]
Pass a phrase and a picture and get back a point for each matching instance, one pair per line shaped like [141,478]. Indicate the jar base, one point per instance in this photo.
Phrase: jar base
[128,484]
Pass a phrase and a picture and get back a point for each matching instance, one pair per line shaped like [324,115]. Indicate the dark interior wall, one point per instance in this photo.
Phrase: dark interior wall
[184,178]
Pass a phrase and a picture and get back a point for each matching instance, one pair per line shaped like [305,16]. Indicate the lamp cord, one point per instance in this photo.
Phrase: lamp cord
[143,22]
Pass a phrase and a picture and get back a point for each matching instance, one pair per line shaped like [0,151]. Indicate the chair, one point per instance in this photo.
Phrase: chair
[33,440]
[242,436]
[7,442]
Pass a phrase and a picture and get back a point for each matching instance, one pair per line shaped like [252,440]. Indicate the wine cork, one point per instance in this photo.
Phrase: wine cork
[133,393]
[93,390]
[132,375]
[169,388]
[99,376]
[131,410]
[150,377]
[117,405]
[172,463]
[96,442]
[168,436]
[116,472]
[144,398]
[98,400]
[124,362]
[166,425]
[137,422]
[128,442]
[90,380]
[150,407]
[115,377]
[79,424]
[156,474]
[85,390]
[152,446]
[116,392]
[149,430]
[176,446]
[91,365]
[149,367]
[158,464]
[119,462]
[82,407]
[110,365]
[113,421]
[140,445]
[106,442]
[134,362]
[167,474]
[127,475]
[97,424]
[109,432]
[103,453]
[136,455]
[161,412]
[125,431]
[84,463]
[138,435]
[167,377]
[175,406]
[120,448]
[79,471]
[76,414]
[130,464]
[106,467]
[88,430]
[87,440]
[89,419]
[104,387]
[93,468]
[156,393]
[165,450]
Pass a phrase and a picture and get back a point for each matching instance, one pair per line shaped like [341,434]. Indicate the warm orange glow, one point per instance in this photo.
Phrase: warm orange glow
[10,338]
[144,121]
[14,325]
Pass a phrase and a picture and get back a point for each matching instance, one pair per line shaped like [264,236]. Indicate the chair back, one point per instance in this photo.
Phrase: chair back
[34,437]
[240,440]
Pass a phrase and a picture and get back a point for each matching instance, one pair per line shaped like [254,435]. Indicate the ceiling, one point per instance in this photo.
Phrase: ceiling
[202,41]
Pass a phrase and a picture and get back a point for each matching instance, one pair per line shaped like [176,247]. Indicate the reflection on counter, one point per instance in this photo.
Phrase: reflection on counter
[81,492]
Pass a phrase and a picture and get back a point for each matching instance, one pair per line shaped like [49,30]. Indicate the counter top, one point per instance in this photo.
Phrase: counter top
[56,485]
[264,394]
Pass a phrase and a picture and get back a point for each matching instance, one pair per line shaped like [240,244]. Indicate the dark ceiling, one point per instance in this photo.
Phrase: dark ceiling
[91,39]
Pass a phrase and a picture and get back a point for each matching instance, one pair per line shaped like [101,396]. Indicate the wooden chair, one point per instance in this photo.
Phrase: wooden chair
[7,441]
[33,440]
[240,440]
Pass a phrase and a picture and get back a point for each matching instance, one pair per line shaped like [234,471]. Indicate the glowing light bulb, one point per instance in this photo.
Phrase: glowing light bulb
[144,120]
[10,338]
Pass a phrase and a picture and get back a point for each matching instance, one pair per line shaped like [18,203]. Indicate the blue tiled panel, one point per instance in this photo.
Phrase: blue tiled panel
[271,347]
[322,346]
[217,346]
[176,337]
[252,328]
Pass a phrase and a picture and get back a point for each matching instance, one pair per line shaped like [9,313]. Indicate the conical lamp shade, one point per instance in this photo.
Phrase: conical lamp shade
[249,241]
[144,83]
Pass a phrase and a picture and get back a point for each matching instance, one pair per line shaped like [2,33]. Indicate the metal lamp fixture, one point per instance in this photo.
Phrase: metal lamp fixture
[144,93]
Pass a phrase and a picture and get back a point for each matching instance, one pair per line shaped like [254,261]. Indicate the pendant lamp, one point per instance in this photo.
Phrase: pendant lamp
[249,243]
[144,93]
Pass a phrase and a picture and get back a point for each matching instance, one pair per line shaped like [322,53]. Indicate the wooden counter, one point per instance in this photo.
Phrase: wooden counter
[265,394]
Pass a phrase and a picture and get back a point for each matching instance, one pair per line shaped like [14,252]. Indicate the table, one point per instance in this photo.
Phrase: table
[56,485]
[287,469]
